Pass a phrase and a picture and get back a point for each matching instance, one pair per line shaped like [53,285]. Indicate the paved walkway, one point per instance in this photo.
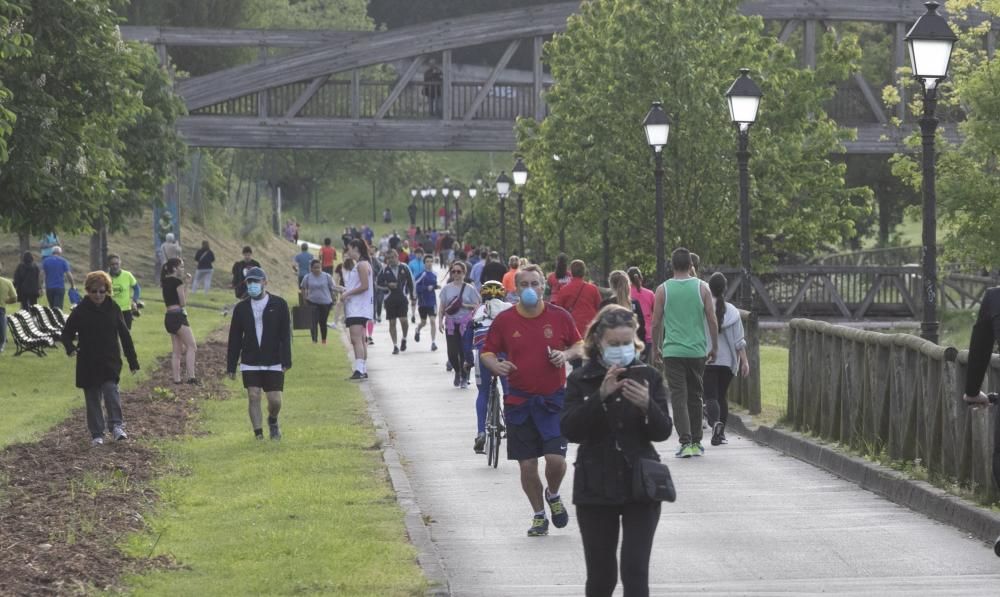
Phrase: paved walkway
[748,520]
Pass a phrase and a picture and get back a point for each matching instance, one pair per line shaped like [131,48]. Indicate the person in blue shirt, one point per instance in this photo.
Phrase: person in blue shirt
[49,242]
[426,285]
[57,275]
[302,262]
[477,269]
[416,263]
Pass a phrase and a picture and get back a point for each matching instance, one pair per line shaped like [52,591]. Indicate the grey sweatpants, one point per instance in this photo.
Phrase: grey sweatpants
[112,403]
[685,379]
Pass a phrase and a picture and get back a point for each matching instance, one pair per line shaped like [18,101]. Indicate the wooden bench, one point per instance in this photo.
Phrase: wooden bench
[27,337]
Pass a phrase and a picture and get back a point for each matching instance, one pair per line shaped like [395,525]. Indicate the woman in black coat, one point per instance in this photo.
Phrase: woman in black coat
[92,332]
[615,407]
[26,280]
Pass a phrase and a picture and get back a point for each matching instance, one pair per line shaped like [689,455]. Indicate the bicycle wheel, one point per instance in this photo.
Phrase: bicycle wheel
[494,427]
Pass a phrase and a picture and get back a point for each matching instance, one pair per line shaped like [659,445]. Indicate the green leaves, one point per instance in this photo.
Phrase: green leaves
[619,55]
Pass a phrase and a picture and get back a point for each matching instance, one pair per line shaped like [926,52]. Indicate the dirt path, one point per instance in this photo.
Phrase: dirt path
[64,506]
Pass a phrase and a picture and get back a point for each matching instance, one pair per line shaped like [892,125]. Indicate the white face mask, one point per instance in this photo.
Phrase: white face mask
[618,355]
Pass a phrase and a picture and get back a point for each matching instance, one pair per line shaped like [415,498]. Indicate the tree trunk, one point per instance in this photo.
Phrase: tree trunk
[24,241]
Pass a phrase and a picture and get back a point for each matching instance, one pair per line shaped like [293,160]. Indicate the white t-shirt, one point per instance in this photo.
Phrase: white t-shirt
[258,323]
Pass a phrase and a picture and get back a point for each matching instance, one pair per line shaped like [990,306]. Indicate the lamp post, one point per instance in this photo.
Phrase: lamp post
[473,191]
[657,126]
[503,190]
[413,204]
[520,174]
[930,41]
[445,193]
[457,194]
[744,99]
[433,193]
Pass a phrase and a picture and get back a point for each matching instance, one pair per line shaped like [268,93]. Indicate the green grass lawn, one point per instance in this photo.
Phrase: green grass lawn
[773,384]
[313,514]
[44,389]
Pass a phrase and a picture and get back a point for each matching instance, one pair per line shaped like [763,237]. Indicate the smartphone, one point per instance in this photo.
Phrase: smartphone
[634,371]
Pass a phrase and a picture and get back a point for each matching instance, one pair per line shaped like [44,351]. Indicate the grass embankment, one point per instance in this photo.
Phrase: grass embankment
[44,389]
[312,514]
[773,384]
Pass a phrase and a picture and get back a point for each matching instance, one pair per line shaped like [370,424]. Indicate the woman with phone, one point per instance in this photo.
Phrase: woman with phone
[615,407]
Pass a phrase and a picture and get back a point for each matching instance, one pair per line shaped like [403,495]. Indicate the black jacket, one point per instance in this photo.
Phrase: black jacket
[276,341]
[603,475]
[985,335]
[404,283]
[26,281]
[98,356]
[493,270]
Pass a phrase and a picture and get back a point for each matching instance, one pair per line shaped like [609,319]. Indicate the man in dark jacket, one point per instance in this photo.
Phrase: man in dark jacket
[260,340]
[98,325]
[493,270]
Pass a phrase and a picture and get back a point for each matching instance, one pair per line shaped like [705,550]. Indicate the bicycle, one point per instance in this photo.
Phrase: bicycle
[496,428]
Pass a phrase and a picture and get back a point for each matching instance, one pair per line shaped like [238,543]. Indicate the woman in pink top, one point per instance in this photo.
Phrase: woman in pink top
[644,297]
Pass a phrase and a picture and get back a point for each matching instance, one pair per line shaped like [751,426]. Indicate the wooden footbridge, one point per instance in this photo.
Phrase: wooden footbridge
[332,91]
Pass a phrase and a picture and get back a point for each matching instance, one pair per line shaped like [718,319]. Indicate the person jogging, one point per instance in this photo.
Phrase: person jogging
[538,339]
[260,341]
[426,286]
[359,304]
[125,289]
[492,294]
[394,280]
[327,255]
[681,313]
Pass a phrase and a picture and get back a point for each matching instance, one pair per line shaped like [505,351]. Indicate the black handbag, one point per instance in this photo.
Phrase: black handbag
[651,481]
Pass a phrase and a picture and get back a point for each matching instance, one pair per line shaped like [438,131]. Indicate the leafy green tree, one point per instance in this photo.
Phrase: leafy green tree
[13,43]
[618,55]
[76,98]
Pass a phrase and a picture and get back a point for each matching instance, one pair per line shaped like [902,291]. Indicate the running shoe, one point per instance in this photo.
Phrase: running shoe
[395,350]
[97,441]
[194,381]
[118,433]
[465,383]
[718,433]
[371,341]
[683,451]
[356,375]
[722,438]
[697,449]
[539,527]
[434,346]
[402,345]
[447,366]
[480,446]
[458,379]
[273,431]
[416,336]
[560,517]
[364,375]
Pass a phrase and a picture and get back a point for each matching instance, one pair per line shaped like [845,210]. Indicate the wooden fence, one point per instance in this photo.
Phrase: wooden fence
[891,394]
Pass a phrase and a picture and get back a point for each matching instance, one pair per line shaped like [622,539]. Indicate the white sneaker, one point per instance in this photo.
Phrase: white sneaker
[119,434]
[97,441]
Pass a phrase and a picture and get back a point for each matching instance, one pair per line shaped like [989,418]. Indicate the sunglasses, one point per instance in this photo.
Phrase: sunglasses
[97,291]
[457,271]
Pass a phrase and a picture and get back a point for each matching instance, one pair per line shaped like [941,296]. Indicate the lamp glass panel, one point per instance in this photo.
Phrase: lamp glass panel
[743,108]
[929,58]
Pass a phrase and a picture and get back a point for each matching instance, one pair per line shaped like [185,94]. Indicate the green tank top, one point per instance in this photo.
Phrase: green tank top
[683,319]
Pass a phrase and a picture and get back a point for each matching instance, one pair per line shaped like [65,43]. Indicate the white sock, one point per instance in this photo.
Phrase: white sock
[364,366]
[541,514]
[359,365]
[549,495]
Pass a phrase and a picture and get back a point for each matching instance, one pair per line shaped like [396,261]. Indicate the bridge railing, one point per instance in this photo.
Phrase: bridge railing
[891,395]
[853,292]
[338,99]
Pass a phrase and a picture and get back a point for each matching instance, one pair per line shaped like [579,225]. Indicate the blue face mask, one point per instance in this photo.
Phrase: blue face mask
[255,289]
[618,355]
[529,297]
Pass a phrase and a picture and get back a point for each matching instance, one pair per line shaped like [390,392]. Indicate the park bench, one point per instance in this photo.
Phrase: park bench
[47,321]
[27,337]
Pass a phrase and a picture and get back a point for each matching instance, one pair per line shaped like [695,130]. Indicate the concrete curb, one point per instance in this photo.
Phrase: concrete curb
[918,496]
[428,556]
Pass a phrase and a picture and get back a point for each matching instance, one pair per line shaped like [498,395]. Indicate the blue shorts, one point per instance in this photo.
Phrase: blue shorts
[524,442]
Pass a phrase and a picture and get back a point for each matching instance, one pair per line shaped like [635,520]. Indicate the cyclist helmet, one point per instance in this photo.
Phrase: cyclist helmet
[492,290]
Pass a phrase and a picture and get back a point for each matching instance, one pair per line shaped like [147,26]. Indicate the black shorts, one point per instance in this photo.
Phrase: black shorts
[426,312]
[269,381]
[395,308]
[173,321]
[356,321]
[524,442]
[328,270]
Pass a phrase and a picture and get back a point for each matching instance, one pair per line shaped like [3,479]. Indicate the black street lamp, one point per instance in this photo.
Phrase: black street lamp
[457,194]
[503,190]
[520,174]
[930,41]
[445,193]
[473,191]
[433,194]
[412,209]
[423,207]
[657,126]
[744,99]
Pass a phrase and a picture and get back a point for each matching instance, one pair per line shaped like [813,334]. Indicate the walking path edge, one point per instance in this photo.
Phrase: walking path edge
[916,495]
[428,556]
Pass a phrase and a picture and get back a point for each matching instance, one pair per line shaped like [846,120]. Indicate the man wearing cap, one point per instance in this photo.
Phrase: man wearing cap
[260,340]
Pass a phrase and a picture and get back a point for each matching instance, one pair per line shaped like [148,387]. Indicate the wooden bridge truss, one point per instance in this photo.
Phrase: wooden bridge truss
[324,95]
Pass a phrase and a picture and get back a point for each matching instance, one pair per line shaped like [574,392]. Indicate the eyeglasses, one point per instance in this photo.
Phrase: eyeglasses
[457,271]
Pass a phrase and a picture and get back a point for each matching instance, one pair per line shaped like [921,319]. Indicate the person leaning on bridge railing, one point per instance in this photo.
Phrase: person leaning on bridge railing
[985,333]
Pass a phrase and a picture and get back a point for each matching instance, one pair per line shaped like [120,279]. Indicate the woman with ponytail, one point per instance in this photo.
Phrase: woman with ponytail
[621,295]
[730,360]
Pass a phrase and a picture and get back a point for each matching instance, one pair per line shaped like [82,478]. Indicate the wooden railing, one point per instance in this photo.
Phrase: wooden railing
[334,99]
[891,394]
[853,292]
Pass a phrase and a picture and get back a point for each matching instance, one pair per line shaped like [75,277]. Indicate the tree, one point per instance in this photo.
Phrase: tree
[618,55]
[13,43]
[75,96]
[968,173]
